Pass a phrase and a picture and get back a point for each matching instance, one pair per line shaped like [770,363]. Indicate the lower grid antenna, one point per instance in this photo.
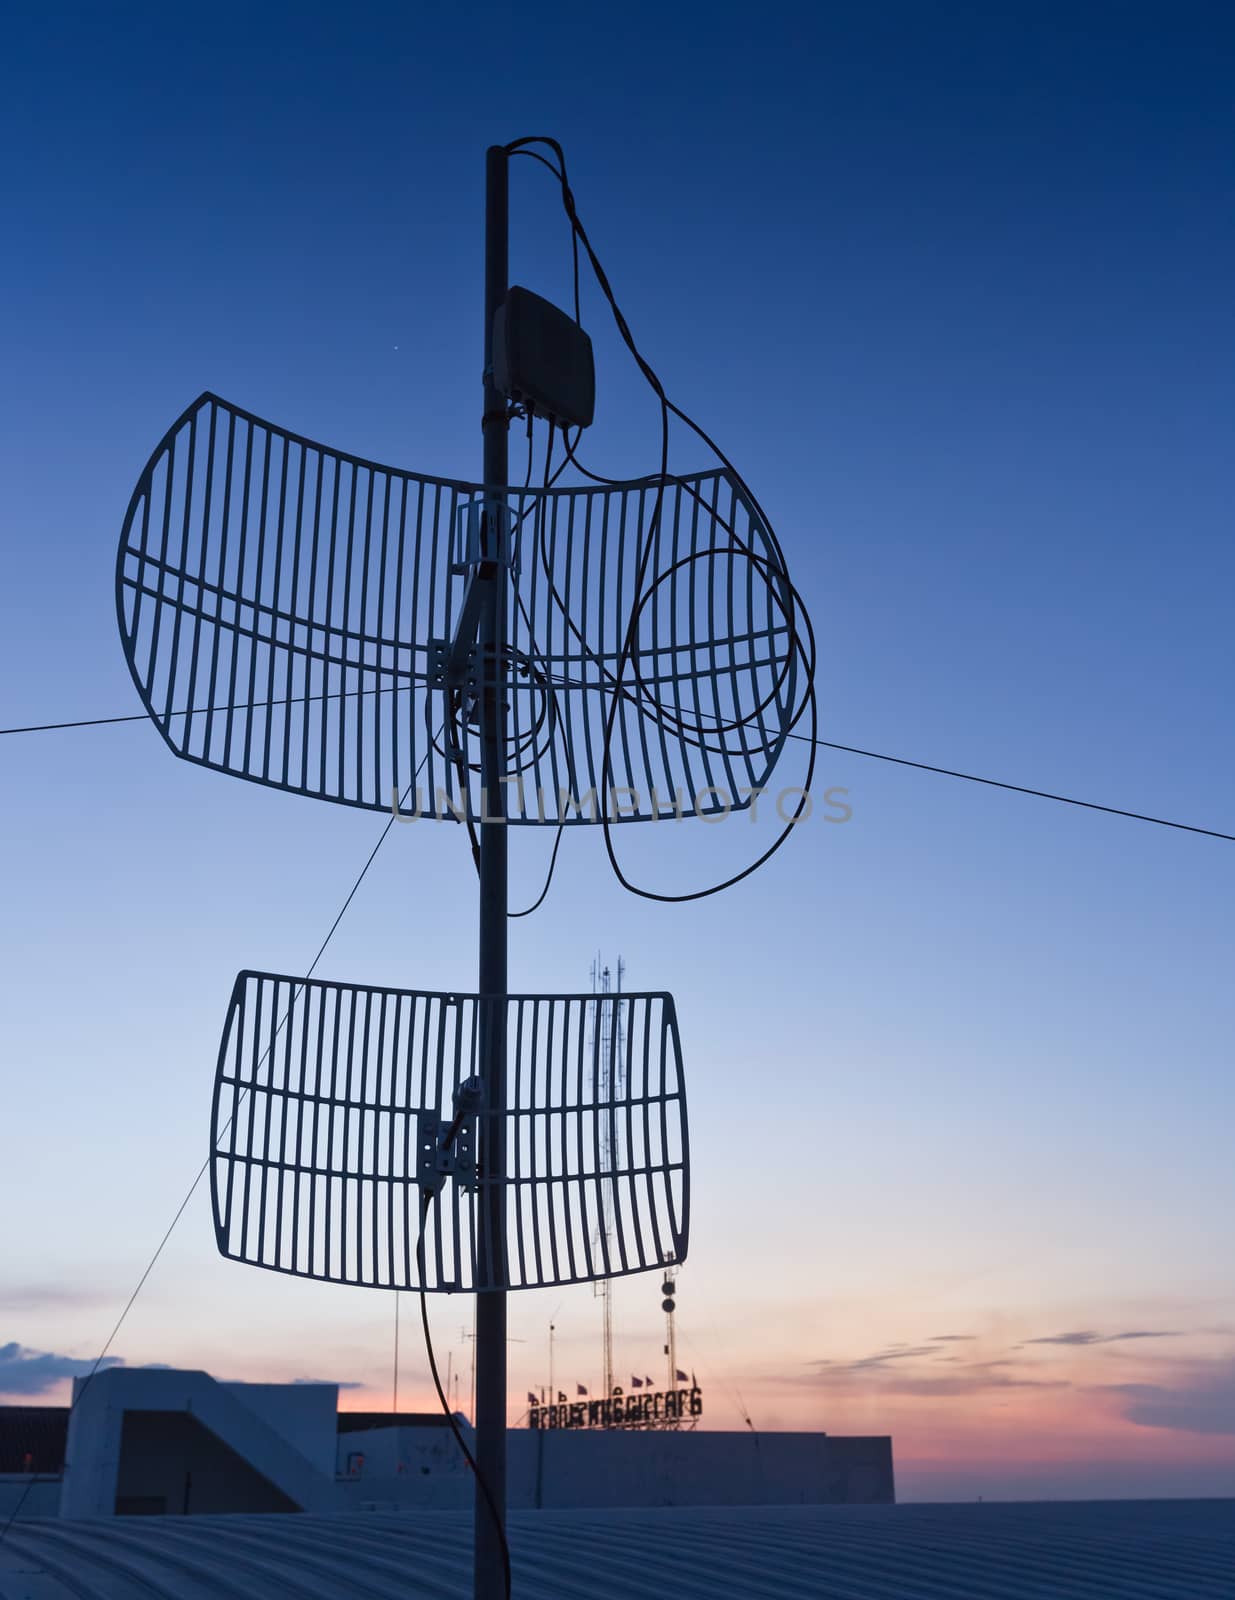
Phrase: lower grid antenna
[314,622]
[338,1109]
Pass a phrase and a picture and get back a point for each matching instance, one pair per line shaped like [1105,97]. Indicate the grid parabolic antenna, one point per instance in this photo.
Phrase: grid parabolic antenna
[329,1097]
[286,611]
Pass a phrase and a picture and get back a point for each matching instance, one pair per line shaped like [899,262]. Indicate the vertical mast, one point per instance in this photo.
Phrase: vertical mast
[489,1582]
[610,1080]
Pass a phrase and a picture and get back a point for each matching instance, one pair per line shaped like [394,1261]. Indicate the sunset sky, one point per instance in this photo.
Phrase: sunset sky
[952,286]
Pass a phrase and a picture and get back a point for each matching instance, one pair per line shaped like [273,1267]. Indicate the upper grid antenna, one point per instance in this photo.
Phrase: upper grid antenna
[607,652]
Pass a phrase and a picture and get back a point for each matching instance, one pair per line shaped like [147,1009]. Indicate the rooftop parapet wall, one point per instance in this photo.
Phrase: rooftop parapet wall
[564,1470]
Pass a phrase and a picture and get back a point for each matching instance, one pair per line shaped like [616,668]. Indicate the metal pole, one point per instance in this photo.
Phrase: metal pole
[489,1583]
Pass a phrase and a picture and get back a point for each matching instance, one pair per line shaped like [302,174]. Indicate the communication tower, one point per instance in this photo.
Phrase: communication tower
[315,622]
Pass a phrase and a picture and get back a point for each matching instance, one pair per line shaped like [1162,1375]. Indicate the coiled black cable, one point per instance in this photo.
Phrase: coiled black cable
[773,573]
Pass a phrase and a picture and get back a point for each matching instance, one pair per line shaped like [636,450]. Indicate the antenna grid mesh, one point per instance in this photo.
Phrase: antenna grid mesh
[285,608]
[320,1092]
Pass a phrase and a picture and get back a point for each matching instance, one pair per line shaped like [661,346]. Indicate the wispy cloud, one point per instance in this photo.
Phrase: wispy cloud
[1088,1336]
[1201,1400]
[914,1370]
[314,1382]
[977,1378]
[30,1372]
[902,1352]
[957,1385]
[1188,1396]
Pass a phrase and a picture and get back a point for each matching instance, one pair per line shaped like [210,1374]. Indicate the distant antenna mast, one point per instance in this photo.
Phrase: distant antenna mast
[668,1305]
[609,1053]
[668,1288]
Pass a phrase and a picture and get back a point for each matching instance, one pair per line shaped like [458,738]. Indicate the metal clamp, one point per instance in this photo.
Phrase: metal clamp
[470,541]
[445,671]
[448,1149]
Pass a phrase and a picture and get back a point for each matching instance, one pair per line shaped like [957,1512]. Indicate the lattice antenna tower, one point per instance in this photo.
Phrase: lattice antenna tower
[668,1305]
[318,623]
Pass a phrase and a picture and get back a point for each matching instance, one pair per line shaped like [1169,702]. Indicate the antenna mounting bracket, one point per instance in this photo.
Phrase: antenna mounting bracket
[445,1150]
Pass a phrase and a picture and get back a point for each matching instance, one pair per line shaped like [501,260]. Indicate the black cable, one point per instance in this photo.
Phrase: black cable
[90,722]
[519,147]
[531,634]
[824,744]
[102,1355]
[658,713]
[970,777]
[574,238]
[628,651]
[192,711]
[205,1166]
[511,661]
[667,406]
[740,547]
[426,1201]
[536,509]
[1019,788]
[647,704]
[540,898]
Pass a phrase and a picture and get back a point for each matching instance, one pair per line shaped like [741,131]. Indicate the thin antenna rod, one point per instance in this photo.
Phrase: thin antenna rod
[488,1575]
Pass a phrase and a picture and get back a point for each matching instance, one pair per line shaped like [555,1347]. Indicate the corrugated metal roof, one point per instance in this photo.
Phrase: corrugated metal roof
[1148,1550]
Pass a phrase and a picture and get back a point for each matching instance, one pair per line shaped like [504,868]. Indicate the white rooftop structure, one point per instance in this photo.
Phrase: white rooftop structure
[145,1441]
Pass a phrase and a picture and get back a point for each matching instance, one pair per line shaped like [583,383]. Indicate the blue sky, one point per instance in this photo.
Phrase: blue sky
[952,285]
